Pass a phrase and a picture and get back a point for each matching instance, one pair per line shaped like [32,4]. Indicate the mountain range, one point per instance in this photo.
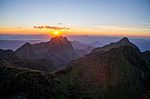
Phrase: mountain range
[118,70]
[15,41]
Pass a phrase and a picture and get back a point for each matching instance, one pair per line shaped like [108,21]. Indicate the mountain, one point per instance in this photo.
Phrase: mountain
[58,50]
[12,41]
[9,58]
[14,44]
[115,71]
[96,44]
[81,49]
[123,42]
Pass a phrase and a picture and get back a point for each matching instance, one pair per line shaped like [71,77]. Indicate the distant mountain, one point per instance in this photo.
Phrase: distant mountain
[14,44]
[96,44]
[58,50]
[9,58]
[95,41]
[123,42]
[115,71]
[80,48]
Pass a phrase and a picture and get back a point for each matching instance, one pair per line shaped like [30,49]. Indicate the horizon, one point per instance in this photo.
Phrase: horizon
[84,17]
[77,35]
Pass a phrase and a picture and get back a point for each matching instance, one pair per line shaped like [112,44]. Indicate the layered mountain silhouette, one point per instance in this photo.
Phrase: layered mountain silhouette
[116,70]
[58,50]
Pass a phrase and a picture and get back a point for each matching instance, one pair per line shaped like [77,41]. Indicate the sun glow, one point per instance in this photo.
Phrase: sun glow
[56,33]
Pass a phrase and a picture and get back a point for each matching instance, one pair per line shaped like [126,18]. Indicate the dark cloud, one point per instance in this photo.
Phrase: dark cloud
[19,27]
[59,23]
[51,27]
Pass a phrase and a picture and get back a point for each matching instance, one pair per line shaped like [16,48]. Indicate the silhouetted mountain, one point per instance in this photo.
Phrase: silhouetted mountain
[9,58]
[96,44]
[14,44]
[58,50]
[115,71]
[81,49]
[11,41]
[123,42]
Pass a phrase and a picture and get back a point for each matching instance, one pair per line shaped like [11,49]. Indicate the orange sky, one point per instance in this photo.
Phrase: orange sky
[99,30]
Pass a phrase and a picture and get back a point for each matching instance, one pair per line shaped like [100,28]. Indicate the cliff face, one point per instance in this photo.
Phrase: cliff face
[59,50]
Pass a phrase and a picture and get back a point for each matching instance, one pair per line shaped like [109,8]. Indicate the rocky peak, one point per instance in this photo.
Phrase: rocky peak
[26,45]
[59,39]
[60,44]
[124,40]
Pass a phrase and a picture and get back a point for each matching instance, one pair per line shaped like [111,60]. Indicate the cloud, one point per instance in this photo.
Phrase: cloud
[19,27]
[59,23]
[51,27]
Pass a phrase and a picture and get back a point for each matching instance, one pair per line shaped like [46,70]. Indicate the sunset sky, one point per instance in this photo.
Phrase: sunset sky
[76,17]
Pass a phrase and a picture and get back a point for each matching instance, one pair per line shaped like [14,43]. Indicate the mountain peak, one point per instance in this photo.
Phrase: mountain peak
[124,40]
[27,44]
[58,39]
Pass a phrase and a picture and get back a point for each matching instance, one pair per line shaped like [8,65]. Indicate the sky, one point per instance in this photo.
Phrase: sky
[76,17]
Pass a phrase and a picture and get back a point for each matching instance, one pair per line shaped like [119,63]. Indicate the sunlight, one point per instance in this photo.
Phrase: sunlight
[56,33]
